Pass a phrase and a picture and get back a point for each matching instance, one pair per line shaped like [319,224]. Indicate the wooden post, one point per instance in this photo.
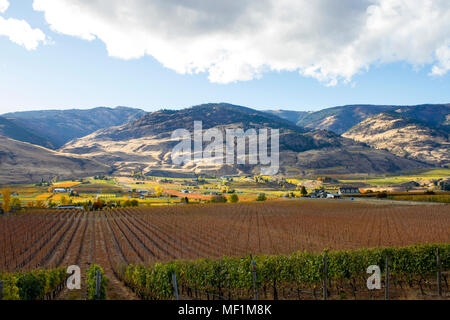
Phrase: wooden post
[386,279]
[175,285]
[439,272]
[325,275]
[1,290]
[98,281]
[255,288]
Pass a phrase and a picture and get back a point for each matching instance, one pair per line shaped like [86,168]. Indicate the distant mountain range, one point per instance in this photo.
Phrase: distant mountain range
[340,119]
[53,128]
[145,144]
[347,139]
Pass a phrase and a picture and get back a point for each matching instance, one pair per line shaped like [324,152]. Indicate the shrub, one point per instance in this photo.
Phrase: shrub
[261,197]
[233,198]
[98,204]
[382,194]
[218,199]
[34,285]
[91,282]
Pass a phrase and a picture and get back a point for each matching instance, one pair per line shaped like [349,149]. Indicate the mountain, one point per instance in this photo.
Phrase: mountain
[403,137]
[60,126]
[292,116]
[340,119]
[22,162]
[145,144]
[12,130]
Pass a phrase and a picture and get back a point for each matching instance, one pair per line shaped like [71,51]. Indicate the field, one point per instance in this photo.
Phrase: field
[114,238]
[406,177]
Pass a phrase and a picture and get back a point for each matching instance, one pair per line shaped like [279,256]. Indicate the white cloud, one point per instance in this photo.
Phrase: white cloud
[443,57]
[241,39]
[20,32]
[4,4]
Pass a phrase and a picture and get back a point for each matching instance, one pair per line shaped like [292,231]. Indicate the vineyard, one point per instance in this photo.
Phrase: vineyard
[113,239]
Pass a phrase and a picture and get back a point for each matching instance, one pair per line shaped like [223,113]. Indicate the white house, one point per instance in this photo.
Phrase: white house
[349,191]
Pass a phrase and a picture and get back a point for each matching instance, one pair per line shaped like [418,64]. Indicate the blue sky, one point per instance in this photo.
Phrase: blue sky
[70,72]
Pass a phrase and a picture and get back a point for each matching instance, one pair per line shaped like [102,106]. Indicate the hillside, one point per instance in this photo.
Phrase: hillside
[340,119]
[21,162]
[12,130]
[403,137]
[290,115]
[61,126]
[145,144]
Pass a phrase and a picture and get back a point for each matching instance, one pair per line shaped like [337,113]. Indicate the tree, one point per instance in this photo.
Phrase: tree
[15,203]
[261,197]
[134,203]
[98,204]
[159,190]
[382,194]
[303,191]
[40,204]
[63,200]
[233,198]
[6,205]
[218,199]
[51,204]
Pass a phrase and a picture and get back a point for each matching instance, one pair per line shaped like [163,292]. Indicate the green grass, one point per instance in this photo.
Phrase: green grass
[410,176]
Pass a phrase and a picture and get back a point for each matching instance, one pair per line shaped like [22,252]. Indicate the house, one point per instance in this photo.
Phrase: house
[60,190]
[318,193]
[348,191]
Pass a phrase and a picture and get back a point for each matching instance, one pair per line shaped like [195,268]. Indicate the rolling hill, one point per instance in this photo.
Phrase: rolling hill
[340,119]
[403,137]
[22,162]
[56,127]
[10,129]
[145,144]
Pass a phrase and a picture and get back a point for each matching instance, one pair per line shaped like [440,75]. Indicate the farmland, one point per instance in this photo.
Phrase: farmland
[113,238]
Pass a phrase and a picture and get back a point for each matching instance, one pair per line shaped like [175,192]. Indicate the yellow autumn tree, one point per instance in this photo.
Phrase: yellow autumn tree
[159,190]
[6,204]
[40,204]
[63,200]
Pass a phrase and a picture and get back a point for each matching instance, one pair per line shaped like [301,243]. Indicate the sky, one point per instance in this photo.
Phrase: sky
[266,54]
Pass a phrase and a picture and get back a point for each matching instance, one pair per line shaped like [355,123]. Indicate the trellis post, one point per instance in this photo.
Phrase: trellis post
[98,281]
[386,279]
[175,285]
[325,277]
[255,288]
[439,272]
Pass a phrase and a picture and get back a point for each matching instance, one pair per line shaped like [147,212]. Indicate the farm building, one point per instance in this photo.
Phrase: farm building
[348,191]
[60,190]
